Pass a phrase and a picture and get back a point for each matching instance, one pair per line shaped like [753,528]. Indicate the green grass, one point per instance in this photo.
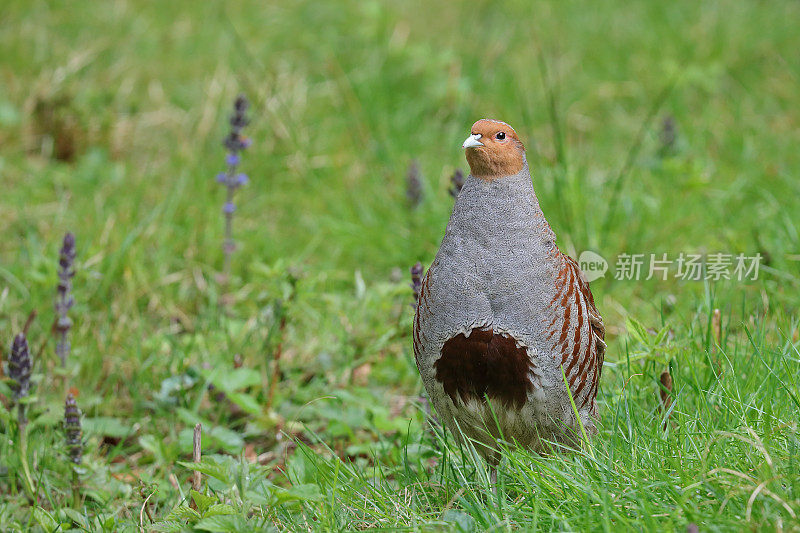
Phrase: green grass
[345,95]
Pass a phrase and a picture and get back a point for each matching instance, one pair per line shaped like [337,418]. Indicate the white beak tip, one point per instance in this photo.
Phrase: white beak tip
[472,141]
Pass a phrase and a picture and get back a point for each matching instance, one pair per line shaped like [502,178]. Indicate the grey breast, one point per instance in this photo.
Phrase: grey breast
[495,268]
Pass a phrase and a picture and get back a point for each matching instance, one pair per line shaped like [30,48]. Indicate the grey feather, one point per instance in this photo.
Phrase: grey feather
[497,268]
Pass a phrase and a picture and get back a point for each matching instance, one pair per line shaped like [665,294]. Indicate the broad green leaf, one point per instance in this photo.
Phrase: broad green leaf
[202,501]
[190,418]
[223,524]
[231,380]
[107,426]
[209,467]
[109,524]
[44,519]
[75,516]
[183,513]
[168,526]
[245,401]
[307,492]
[230,440]
[219,509]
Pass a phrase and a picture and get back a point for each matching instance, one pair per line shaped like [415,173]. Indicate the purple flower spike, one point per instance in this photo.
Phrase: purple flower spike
[19,370]
[456,183]
[235,142]
[238,119]
[417,272]
[414,184]
[19,367]
[64,299]
[72,430]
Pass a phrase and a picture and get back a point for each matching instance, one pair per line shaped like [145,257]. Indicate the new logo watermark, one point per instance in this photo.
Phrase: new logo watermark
[594,266]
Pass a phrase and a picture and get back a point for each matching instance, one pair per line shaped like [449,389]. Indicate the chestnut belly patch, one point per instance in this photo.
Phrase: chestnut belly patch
[485,364]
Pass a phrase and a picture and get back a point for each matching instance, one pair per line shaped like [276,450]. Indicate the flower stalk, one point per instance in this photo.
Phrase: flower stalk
[414,185]
[232,179]
[416,280]
[19,370]
[64,299]
[73,444]
[456,183]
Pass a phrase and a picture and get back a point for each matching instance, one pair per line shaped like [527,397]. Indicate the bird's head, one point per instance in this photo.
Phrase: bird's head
[493,150]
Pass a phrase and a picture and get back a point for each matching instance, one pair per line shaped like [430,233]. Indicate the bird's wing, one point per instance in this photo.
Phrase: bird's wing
[422,302]
[576,331]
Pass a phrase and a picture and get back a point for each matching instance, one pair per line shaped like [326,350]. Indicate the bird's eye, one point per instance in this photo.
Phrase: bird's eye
[500,136]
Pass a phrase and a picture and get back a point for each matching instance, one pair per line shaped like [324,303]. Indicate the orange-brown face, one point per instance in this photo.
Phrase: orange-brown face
[493,150]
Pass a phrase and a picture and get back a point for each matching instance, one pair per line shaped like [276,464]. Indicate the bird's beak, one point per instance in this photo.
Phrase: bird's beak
[472,141]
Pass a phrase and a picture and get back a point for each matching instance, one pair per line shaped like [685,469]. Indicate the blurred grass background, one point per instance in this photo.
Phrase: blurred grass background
[111,121]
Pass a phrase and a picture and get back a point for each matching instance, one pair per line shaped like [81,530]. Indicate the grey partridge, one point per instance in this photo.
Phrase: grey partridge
[502,311]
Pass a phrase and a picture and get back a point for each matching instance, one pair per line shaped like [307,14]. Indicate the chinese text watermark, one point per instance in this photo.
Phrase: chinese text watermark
[662,266]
